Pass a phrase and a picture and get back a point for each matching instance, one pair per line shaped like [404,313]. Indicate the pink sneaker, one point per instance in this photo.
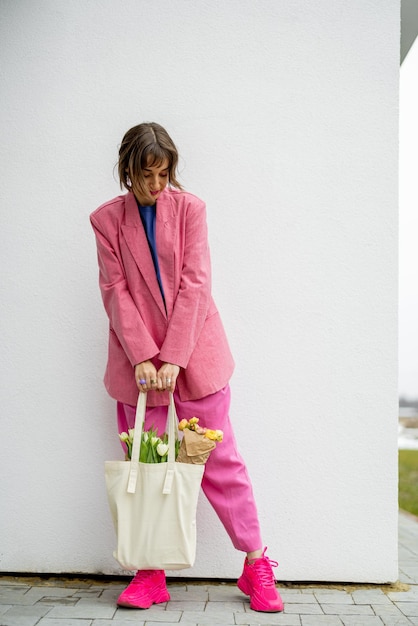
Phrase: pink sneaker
[257,581]
[146,588]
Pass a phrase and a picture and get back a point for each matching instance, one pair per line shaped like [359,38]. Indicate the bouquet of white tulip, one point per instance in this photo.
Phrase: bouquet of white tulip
[154,449]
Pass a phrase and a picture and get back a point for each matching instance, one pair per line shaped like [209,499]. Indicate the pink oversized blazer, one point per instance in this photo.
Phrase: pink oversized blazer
[190,332]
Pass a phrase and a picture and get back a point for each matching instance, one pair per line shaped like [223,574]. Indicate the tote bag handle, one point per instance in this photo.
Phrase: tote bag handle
[136,444]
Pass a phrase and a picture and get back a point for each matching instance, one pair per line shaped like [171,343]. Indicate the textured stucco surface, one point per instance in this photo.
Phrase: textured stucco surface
[285,114]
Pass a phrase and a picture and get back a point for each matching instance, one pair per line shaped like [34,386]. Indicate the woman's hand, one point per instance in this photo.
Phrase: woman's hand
[167,376]
[146,376]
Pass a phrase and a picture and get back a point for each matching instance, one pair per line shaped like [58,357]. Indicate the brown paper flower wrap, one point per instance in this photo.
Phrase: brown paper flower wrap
[197,442]
[195,448]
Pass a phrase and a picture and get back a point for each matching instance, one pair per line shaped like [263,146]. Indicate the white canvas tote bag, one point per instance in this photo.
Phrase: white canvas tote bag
[153,505]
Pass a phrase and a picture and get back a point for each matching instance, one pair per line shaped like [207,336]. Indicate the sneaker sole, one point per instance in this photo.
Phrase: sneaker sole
[145,604]
[242,586]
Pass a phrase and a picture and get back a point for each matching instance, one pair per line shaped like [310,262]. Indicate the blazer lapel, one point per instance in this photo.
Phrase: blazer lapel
[166,239]
[137,242]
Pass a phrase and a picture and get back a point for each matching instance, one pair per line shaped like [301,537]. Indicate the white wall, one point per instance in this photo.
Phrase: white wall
[285,114]
[408,225]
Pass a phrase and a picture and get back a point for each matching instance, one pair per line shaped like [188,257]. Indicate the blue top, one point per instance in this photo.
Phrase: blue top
[147,214]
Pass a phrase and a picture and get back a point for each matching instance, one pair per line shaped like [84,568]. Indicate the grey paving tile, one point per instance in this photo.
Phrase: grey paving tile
[105,600]
[266,619]
[203,617]
[108,596]
[20,594]
[6,591]
[16,595]
[156,613]
[303,609]
[23,615]
[321,589]
[298,598]
[54,601]
[354,620]
[83,611]
[46,621]
[169,624]
[185,605]
[93,593]
[395,621]
[370,596]
[189,594]
[407,553]
[114,622]
[387,610]
[46,590]
[404,578]
[334,597]
[347,609]
[4,608]
[232,607]
[411,571]
[172,623]
[230,593]
[410,609]
[407,544]
[404,596]
[321,620]
[108,600]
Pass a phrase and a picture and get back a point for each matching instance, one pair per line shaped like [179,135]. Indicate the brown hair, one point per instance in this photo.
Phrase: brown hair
[146,145]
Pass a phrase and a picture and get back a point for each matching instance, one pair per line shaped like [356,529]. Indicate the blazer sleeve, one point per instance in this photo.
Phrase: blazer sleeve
[194,296]
[124,317]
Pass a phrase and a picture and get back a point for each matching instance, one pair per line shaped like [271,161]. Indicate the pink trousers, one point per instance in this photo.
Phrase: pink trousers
[225,483]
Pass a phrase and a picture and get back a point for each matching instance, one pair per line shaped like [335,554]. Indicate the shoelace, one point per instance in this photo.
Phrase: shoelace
[264,566]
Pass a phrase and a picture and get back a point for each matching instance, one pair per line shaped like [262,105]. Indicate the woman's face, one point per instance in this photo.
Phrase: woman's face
[155,181]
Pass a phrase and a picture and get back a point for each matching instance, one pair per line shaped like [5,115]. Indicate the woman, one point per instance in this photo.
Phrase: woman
[166,335]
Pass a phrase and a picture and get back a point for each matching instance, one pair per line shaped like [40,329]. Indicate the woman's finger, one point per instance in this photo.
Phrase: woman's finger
[146,376]
[167,374]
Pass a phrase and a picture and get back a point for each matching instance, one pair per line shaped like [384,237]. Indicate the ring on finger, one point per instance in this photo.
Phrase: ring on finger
[142,381]
[168,381]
